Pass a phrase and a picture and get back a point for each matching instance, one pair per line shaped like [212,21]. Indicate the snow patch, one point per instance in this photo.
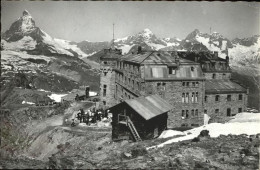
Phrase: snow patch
[171,133]
[24,102]
[125,48]
[26,43]
[43,90]
[242,123]
[92,93]
[155,46]
[56,97]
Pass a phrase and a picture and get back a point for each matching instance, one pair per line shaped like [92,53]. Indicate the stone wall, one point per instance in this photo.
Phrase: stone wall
[107,77]
[172,92]
[234,104]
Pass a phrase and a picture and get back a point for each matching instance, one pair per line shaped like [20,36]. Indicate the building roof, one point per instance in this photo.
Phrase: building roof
[223,86]
[148,107]
[112,53]
[154,57]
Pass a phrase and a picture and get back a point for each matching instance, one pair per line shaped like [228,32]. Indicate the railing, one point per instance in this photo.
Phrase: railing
[127,121]
[133,129]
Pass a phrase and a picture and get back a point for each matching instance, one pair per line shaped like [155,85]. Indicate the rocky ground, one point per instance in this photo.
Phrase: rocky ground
[50,144]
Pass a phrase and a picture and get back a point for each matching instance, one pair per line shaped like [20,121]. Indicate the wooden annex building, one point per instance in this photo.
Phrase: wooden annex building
[140,118]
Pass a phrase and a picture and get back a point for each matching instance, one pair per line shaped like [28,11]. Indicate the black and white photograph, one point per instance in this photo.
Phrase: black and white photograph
[130,85]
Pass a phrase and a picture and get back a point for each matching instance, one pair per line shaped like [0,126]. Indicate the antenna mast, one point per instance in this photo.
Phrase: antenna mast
[113,36]
[210,36]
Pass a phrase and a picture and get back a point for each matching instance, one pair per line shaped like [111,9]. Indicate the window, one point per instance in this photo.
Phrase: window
[105,73]
[213,76]
[105,62]
[158,86]
[183,98]
[163,86]
[206,98]
[240,97]
[196,97]
[183,114]
[187,114]
[217,98]
[228,112]
[205,111]
[192,112]
[192,69]
[196,112]
[239,110]
[193,84]
[183,83]
[216,111]
[192,97]
[187,98]
[115,94]
[187,84]
[228,97]
[172,70]
[104,103]
[104,90]
[197,84]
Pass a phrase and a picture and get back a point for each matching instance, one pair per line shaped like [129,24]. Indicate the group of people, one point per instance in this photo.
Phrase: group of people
[93,115]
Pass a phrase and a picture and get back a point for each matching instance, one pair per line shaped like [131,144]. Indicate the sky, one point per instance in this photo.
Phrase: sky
[93,21]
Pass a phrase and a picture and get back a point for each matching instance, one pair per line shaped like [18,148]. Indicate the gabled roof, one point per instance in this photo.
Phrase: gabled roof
[223,86]
[148,107]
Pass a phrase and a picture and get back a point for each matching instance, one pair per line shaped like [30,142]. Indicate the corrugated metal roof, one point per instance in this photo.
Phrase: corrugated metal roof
[137,58]
[218,86]
[150,106]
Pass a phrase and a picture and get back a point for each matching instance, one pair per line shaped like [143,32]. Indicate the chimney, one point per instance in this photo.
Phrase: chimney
[227,59]
[177,60]
[215,54]
[196,58]
[87,91]
[139,50]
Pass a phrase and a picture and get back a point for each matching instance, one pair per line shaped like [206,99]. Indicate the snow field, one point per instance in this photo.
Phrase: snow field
[242,123]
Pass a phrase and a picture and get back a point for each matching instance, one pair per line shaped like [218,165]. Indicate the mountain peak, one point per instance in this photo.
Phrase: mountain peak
[147,30]
[196,31]
[146,33]
[26,13]
[193,34]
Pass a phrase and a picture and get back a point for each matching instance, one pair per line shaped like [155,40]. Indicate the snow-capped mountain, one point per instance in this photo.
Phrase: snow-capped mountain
[146,39]
[25,35]
[49,63]
[246,50]
[203,41]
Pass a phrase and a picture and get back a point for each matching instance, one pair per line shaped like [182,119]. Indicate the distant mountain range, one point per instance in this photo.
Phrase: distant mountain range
[25,45]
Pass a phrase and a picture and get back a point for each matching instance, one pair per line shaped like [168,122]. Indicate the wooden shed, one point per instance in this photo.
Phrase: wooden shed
[140,118]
